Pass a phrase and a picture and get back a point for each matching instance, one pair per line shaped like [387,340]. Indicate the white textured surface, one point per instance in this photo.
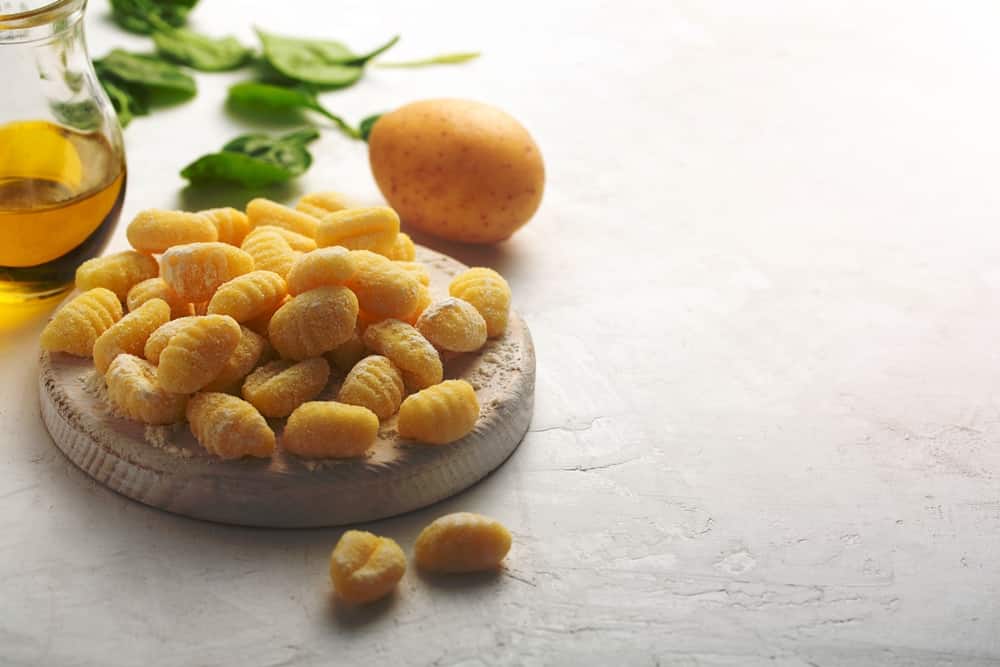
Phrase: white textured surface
[762,288]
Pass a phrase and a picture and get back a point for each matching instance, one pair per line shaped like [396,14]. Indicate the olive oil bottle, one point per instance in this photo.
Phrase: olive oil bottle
[61,192]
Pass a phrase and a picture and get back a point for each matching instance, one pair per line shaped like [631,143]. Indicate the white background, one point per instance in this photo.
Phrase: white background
[763,286]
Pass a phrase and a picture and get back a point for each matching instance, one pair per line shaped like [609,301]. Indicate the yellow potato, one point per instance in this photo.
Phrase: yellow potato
[457,169]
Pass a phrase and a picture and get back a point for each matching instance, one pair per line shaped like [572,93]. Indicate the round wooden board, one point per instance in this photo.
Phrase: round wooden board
[166,468]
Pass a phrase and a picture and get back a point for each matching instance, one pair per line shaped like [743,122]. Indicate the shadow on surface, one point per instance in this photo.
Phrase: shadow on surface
[348,615]
[460,582]
[200,197]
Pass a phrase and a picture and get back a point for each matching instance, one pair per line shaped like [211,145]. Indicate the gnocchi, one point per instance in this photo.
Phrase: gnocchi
[439,414]
[197,353]
[135,391]
[248,296]
[374,228]
[157,288]
[374,383]
[462,542]
[270,251]
[194,271]
[155,230]
[382,287]
[119,272]
[325,266]
[266,212]
[278,387]
[318,204]
[488,292]
[454,325]
[229,427]
[408,350]
[314,322]
[77,326]
[129,334]
[329,430]
[365,567]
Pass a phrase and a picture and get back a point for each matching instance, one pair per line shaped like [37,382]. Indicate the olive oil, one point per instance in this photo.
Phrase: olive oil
[61,193]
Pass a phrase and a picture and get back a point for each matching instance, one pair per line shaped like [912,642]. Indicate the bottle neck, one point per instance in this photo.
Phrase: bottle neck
[25,21]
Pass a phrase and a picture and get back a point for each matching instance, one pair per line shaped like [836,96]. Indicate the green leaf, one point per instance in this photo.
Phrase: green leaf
[321,62]
[84,115]
[148,72]
[127,101]
[255,160]
[146,16]
[207,54]
[442,59]
[281,99]
[365,128]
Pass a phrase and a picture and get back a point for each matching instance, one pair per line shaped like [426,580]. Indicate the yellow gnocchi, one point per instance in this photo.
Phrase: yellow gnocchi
[229,427]
[424,299]
[454,325]
[314,322]
[277,388]
[374,383]
[462,542]
[135,391]
[382,287]
[244,359]
[270,251]
[418,270]
[155,230]
[439,414]
[157,288]
[266,212]
[365,567]
[231,225]
[318,204]
[248,296]
[373,228]
[158,340]
[194,271]
[296,241]
[329,430]
[488,292]
[78,324]
[129,334]
[402,248]
[197,353]
[119,272]
[325,266]
[408,350]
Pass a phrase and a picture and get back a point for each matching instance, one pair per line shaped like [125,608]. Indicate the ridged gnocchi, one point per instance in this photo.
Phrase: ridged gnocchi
[372,228]
[439,414]
[408,350]
[329,430]
[244,359]
[270,251]
[454,325]
[313,322]
[278,387]
[266,212]
[194,271]
[231,225]
[229,427]
[318,204]
[488,292]
[157,288]
[135,391]
[197,353]
[374,383]
[155,230]
[461,542]
[119,272]
[129,334]
[76,326]
[325,266]
[382,287]
[248,296]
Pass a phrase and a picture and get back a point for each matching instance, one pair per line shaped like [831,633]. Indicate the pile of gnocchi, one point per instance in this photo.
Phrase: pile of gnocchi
[232,318]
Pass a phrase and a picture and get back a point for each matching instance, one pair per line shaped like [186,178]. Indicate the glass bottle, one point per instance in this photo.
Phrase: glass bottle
[62,164]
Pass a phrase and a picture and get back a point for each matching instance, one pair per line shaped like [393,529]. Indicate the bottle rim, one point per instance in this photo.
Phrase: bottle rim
[44,15]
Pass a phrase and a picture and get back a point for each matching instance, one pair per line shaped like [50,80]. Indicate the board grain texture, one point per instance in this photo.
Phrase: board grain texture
[165,467]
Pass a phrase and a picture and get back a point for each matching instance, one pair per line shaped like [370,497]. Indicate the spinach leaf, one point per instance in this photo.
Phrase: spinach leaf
[201,52]
[442,59]
[146,16]
[147,72]
[365,128]
[280,99]
[320,62]
[128,101]
[255,160]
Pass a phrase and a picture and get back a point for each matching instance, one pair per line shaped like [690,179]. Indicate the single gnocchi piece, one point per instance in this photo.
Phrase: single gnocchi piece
[266,212]
[158,340]
[270,251]
[244,359]
[318,204]
[157,288]
[78,324]
[279,387]
[325,266]
[296,241]
[373,228]
[229,427]
[402,248]
[197,353]
[248,296]
[119,272]
[347,354]
[194,271]
[155,230]
[230,224]
[314,322]
[329,430]
[129,334]
[374,383]
[461,542]
[382,287]
[365,567]
[408,350]
[135,391]
[488,292]
[439,414]
[454,325]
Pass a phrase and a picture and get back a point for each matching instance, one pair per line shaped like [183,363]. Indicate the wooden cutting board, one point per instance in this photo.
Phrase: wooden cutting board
[166,468]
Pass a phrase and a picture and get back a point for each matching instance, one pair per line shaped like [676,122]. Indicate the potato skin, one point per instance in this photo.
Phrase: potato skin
[457,169]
